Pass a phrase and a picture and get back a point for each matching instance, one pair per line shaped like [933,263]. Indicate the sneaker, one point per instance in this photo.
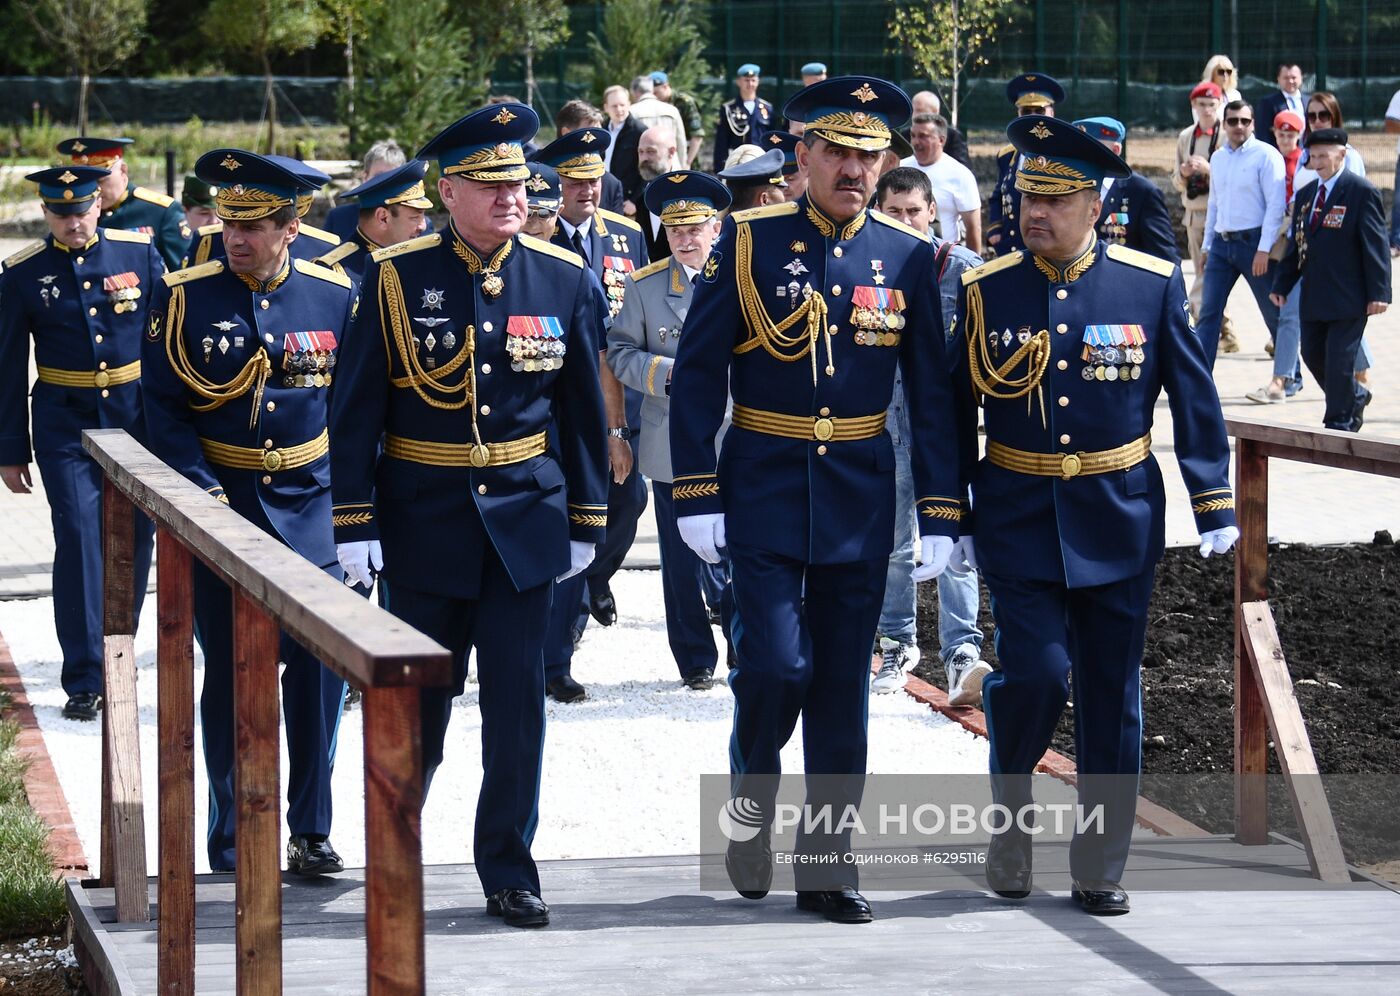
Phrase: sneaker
[965,672]
[1267,395]
[895,660]
[1228,342]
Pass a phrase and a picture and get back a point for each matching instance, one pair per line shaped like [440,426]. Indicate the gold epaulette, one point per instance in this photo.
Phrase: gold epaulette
[194,273]
[550,249]
[152,196]
[1006,150]
[898,225]
[343,251]
[213,229]
[119,235]
[1142,260]
[767,211]
[621,219]
[319,234]
[976,273]
[412,245]
[323,273]
[651,268]
[33,249]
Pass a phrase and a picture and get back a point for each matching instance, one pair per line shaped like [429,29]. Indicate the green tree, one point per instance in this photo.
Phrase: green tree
[947,37]
[91,35]
[639,36]
[261,29]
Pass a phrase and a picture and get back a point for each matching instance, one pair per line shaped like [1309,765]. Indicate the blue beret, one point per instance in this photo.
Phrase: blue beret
[1034,90]
[814,69]
[858,112]
[402,185]
[686,197]
[747,69]
[1105,129]
[486,145]
[68,189]
[659,77]
[1057,158]
[251,186]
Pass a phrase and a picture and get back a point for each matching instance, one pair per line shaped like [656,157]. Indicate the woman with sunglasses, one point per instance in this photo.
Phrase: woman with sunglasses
[1222,72]
[1325,111]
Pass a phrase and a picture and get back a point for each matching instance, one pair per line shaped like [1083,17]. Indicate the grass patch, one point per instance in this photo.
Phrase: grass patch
[31,895]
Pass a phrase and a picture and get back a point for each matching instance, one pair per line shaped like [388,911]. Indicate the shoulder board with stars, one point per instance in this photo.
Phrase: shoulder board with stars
[152,197]
[550,249]
[27,252]
[767,211]
[322,273]
[319,234]
[199,272]
[650,268]
[618,219]
[1142,260]
[976,273]
[412,245]
[121,235]
[900,226]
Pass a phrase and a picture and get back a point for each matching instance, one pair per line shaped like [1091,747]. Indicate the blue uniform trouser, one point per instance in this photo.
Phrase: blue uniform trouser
[1046,632]
[1330,349]
[73,484]
[568,612]
[802,635]
[684,578]
[1226,262]
[502,624]
[312,697]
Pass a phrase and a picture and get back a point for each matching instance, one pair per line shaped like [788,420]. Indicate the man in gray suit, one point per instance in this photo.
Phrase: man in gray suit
[642,347]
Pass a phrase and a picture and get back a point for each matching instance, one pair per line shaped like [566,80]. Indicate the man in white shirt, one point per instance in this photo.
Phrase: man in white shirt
[1288,97]
[1243,215]
[1392,127]
[655,113]
[955,194]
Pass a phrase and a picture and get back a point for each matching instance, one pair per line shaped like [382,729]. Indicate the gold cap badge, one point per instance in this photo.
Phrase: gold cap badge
[865,95]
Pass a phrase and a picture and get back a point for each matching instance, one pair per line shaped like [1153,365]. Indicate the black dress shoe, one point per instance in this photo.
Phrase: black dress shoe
[519,908]
[84,706]
[1358,416]
[716,619]
[565,689]
[842,906]
[750,865]
[312,857]
[1100,898]
[700,681]
[602,607]
[1009,864]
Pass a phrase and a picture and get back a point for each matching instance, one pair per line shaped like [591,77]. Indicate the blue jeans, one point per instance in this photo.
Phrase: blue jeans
[1286,362]
[958,600]
[1225,263]
[1395,208]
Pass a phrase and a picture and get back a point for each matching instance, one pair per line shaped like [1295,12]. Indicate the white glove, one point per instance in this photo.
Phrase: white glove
[356,559]
[580,556]
[964,555]
[1218,540]
[704,534]
[933,555]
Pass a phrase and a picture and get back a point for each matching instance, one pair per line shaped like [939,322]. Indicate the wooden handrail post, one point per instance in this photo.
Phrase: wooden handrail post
[1251,585]
[175,725]
[124,843]
[394,845]
[258,910]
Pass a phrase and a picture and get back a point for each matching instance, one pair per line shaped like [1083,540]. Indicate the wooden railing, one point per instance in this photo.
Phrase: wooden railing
[273,589]
[1265,705]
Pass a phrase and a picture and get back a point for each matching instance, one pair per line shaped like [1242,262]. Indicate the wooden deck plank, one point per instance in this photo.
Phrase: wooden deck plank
[624,925]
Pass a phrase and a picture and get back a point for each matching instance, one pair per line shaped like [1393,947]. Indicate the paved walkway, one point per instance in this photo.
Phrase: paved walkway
[1307,504]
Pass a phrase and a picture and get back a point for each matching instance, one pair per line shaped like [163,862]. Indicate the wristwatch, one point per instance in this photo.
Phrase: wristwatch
[621,432]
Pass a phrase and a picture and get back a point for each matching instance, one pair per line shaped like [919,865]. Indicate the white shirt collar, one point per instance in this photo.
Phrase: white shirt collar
[689,272]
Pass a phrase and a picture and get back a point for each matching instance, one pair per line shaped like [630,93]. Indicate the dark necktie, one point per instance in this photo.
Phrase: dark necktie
[1317,209]
[581,245]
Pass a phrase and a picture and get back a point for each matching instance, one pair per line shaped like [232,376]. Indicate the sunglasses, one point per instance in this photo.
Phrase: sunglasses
[538,212]
[1319,115]
[1224,72]
[1237,122]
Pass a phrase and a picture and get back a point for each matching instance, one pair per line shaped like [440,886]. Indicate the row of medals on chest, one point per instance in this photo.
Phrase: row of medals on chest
[300,367]
[875,325]
[530,351]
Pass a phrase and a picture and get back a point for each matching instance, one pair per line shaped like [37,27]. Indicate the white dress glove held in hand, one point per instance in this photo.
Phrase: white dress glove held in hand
[580,556]
[1218,540]
[934,552]
[357,558]
[704,534]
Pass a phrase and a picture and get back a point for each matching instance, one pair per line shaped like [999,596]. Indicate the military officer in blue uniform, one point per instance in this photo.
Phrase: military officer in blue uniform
[239,358]
[124,204]
[475,358]
[393,209]
[1067,345]
[802,311]
[1029,93]
[207,242]
[613,247]
[1134,210]
[745,119]
[642,346]
[83,293]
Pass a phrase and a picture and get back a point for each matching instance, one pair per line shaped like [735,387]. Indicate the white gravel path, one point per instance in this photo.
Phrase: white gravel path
[621,774]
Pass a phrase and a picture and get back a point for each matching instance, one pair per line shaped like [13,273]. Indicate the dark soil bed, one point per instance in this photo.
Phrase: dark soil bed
[1338,614]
